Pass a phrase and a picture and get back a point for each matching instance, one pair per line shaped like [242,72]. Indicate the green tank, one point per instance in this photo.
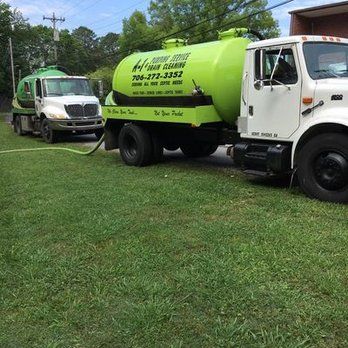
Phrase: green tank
[25,88]
[182,75]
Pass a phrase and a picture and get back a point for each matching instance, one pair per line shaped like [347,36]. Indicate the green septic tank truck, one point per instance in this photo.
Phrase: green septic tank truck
[280,104]
[51,102]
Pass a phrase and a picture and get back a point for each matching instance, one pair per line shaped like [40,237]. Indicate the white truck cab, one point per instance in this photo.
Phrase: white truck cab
[57,105]
[68,104]
[295,95]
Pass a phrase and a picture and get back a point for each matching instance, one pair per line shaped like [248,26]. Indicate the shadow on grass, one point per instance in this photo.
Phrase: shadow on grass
[83,138]
[218,160]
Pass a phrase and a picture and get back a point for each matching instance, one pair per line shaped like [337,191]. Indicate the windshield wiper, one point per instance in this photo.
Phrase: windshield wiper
[53,93]
[330,72]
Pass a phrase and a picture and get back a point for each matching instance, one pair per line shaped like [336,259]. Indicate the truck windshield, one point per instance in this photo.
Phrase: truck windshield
[326,60]
[63,87]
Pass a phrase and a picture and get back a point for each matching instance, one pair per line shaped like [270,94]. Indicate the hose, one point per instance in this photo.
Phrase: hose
[101,140]
[256,33]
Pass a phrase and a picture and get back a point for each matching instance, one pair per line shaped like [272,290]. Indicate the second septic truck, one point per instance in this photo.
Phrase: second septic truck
[50,102]
[282,105]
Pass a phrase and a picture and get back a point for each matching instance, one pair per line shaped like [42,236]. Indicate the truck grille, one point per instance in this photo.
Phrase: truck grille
[77,110]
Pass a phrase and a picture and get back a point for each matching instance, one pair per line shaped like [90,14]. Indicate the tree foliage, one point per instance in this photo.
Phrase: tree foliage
[137,34]
[82,51]
[196,20]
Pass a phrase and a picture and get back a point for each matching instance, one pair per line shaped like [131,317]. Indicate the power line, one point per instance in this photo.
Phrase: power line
[54,20]
[215,28]
[73,6]
[88,7]
[246,17]
[210,9]
[206,20]
[192,26]
[118,12]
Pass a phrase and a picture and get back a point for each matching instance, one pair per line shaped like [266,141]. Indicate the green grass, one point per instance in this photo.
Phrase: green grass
[98,254]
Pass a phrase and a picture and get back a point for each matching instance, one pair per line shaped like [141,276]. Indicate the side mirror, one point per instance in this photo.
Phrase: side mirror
[100,88]
[258,84]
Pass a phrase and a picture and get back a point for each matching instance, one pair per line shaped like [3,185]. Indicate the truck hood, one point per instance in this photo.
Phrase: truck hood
[325,88]
[72,99]
[334,93]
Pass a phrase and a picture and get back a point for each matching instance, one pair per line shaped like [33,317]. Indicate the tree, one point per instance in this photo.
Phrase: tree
[39,47]
[72,54]
[12,25]
[166,17]
[90,55]
[136,34]
[174,15]
[109,46]
[106,75]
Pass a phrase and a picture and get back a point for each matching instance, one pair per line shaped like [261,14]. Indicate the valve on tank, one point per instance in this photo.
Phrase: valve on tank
[197,90]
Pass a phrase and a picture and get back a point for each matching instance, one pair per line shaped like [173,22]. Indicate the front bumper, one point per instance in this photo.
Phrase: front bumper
[88,124]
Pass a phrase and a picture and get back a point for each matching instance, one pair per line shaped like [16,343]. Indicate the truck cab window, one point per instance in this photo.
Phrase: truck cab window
[38,88]
[285,69]
[326,59]
[27,88]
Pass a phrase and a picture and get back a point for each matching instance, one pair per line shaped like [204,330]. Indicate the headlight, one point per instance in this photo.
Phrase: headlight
[57,116]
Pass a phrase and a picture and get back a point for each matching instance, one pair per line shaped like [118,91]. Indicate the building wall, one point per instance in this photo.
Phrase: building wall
[334,25]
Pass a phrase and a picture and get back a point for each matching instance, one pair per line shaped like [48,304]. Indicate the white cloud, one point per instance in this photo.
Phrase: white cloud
[34,10]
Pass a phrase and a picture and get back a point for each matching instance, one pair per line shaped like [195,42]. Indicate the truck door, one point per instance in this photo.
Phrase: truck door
[274,93]
[38,97]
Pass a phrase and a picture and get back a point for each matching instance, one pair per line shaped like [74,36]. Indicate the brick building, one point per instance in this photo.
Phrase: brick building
[330,20]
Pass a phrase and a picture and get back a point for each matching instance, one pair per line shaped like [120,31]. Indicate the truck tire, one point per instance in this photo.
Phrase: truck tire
[135,145]
[323,167]
[99,133]
[48,134]
[198,149]
[17,125]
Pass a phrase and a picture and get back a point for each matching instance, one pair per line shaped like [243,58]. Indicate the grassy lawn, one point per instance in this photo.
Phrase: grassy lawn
[97,254]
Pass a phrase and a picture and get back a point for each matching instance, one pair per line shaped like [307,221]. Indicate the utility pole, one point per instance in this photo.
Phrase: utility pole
[12,67]
[54,20]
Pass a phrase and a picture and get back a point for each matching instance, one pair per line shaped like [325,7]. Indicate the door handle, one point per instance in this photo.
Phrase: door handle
[243,88]
[309,110]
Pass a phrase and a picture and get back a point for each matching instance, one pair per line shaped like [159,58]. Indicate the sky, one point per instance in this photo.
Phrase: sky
[104,16]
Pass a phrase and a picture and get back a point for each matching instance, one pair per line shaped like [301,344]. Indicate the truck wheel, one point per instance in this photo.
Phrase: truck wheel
[198,149]
[17,125]
[99,133]
[135,145]
[48,134]
[323,167]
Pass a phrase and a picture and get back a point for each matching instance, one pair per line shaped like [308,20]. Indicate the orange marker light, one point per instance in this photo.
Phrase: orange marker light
[331,39]
[304,38]
[324,38]
[307,100]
